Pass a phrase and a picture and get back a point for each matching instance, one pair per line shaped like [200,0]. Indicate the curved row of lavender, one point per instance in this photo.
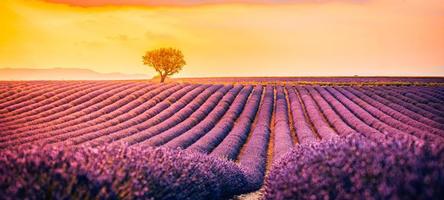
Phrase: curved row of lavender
[251,126]
[358,168]
[60,172]
[346,168]
[97,113]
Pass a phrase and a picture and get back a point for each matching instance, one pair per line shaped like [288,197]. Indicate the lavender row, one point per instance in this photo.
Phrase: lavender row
[341,127]
[431,101]
[190,123]
[40,94]
[116,173]
[370,119]
[433,91]
[382,98]
[67,123]
[56,93]
[357,168]
[14,90]
[411,104]
[186,108]
[57,112]
[231,145]
[416,100]
[402,101]
[127,124]
[404,119]
[427,97]
[64,130]
[184,140]
[350,118]
[253,157]
[205,122]
[120,118]
[302,126]
[84,103]
[283,140]
[388,119]
[214,134]
[41,103]
[32,94]
[320,124]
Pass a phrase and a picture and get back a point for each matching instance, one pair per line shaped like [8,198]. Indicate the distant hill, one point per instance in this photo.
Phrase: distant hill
[64,74]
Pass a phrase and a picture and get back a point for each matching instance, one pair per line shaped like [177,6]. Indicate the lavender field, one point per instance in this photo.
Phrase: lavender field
[142,140]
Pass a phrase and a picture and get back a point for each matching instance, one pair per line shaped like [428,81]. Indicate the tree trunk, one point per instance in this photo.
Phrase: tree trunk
[162,78]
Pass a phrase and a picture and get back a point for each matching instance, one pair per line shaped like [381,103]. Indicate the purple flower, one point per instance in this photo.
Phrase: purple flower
[358,168]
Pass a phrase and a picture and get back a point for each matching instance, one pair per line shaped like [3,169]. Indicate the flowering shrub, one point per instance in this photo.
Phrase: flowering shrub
[358,168]
[115,173]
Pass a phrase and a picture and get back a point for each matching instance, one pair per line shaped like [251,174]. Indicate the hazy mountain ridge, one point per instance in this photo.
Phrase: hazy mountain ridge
[64,74]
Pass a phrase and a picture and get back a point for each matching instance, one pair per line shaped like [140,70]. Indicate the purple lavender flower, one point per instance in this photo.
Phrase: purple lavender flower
[358,168]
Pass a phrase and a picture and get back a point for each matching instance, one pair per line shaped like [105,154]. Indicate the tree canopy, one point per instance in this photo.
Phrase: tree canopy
[166,61]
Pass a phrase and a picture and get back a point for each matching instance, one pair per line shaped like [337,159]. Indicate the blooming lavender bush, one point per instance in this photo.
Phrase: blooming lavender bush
[357,168]
[115,173]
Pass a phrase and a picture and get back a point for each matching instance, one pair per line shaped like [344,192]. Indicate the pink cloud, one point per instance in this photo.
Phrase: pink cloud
[94,3]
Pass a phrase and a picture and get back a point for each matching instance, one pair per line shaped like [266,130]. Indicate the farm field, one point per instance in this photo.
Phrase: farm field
[140,139]
[322,80]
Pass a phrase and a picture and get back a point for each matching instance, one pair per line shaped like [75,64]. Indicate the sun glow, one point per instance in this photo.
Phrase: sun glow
[226,39]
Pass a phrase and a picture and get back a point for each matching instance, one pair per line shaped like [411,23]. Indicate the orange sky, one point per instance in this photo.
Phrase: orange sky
[296,38]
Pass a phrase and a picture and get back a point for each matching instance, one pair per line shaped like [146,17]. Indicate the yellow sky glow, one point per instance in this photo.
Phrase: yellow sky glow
[399,37]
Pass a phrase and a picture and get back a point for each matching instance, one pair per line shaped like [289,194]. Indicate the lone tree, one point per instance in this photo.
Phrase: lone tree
[166,61]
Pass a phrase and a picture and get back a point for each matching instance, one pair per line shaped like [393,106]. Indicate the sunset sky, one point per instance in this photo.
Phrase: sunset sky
[228,37]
